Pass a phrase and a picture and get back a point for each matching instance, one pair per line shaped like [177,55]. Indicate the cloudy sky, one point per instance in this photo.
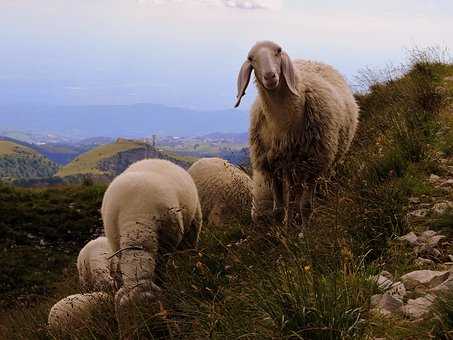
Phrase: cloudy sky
[187,52]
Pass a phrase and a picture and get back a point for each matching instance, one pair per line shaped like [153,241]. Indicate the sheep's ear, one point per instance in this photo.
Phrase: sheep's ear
[289,73]
[243,80]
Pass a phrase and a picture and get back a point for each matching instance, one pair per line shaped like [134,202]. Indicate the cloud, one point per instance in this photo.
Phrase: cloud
[254,4]
[239,4]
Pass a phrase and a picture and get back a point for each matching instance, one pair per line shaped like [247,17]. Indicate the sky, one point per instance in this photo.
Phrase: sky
[186,53]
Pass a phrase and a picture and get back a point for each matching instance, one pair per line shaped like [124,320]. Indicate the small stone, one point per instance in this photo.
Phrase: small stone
[385,304]
[383,282]
[433,178]
[442,207]
[419,213]
[431,238]
[397,290]
[424,279]
[434,241]
[450,257]
[418,308]
[444,286]
[411,238]
[447,183]
[374,300]
[423,262]
[387,274]
[449,169]
[427,234]
[414,200]
[427,250]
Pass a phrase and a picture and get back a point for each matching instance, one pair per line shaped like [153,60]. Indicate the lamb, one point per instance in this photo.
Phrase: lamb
[225,191]
[78,316]
[302,124]
[149,209]
[93,265]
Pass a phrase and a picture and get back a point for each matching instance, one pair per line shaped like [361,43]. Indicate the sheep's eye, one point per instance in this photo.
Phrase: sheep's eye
[279,50]
[250,58]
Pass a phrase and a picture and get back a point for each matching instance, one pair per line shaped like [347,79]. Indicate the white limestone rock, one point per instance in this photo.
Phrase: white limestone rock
[418,308]
[424,279]
[410,237]
[385,304]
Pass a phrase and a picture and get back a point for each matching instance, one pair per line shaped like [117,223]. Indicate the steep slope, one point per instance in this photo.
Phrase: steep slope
[21,162]
[111,159]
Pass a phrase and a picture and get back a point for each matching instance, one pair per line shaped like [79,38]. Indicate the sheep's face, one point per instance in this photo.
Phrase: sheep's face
[266,61]
[272,66]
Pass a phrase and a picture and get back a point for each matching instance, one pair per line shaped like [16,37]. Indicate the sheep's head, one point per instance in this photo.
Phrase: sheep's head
[271,64]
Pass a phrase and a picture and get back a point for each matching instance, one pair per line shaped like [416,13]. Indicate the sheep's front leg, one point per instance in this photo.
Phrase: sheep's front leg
[306,203]
[137,261]
[278,195]
[263,201]
[293,218]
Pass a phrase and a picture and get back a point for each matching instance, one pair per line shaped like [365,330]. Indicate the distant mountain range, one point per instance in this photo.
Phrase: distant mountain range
[121,120]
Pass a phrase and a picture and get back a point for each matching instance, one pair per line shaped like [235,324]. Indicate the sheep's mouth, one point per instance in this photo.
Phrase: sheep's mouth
[271,85]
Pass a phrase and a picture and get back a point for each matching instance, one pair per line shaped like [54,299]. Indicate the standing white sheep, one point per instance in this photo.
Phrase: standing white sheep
[302,123]
[93,265]
[81,316]
[225,191]
[149,209]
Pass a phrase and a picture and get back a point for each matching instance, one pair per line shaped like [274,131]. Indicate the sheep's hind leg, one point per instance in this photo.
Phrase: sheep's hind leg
[137,260]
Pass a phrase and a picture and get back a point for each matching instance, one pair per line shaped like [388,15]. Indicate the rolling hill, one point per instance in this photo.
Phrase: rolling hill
[111,159]
[60,152]
[21,162]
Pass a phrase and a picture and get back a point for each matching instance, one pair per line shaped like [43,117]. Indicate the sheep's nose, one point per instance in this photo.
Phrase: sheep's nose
[270,76]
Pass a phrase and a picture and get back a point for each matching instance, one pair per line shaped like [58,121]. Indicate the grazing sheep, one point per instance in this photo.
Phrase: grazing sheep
[302,123]
[93,265]
[225,191]
[82,316]
[150,209]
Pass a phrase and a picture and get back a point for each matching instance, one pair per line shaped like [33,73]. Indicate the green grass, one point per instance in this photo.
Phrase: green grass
[42,231]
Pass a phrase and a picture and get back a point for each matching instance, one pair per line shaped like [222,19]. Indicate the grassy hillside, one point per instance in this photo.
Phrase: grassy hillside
[88,162]
[19,162]
[112,159]
[252,282]
[42,231]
